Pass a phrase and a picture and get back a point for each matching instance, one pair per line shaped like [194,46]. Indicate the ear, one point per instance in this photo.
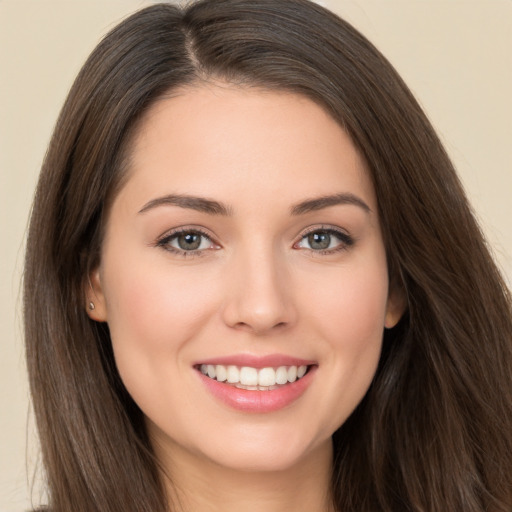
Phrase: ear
[395,307]
[95,298]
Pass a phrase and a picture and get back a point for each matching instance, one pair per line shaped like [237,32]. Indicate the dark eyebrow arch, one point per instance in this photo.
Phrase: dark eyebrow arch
[311,205]
[201,204]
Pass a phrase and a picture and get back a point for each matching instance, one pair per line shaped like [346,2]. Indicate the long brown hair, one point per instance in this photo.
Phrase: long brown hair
[434,432]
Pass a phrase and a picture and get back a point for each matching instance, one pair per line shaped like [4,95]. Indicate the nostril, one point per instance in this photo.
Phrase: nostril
[259,327]
[259,304]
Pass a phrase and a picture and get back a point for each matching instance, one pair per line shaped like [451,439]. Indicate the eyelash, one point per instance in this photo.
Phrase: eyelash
[346,241]
[164,242]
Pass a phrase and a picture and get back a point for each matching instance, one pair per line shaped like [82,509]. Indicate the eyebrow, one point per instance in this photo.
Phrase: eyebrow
[212,207]
[201,204]
[311,205]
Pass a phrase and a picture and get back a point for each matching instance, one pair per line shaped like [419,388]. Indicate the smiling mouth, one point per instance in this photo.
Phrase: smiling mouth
[254,379]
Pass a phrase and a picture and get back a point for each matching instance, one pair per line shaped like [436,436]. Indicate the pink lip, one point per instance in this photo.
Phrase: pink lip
[268,361]
[258,401]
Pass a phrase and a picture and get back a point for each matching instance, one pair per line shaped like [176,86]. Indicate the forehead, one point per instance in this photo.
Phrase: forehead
[220,139]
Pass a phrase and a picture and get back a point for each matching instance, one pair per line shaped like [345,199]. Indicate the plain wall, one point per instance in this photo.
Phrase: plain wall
[454,54]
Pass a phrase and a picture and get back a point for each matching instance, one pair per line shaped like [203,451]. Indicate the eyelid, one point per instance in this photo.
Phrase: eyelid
[346,240]
[162,240]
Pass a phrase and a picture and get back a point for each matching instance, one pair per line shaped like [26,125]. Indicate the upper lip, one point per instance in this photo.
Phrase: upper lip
[253,361]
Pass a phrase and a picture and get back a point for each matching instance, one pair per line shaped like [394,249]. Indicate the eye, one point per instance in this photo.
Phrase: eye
[189,241]
[325,241]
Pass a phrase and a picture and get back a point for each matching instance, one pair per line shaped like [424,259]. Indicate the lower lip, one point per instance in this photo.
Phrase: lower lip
[258,401]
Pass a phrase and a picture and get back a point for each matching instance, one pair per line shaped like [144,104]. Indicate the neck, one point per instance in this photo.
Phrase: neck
[203,486]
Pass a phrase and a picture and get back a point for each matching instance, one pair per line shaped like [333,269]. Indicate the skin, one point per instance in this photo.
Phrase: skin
[256,286]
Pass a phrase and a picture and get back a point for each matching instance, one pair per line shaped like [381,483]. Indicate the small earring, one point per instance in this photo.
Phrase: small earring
[91,306]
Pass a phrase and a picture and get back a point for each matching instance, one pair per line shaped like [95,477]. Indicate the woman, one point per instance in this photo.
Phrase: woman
[253,280]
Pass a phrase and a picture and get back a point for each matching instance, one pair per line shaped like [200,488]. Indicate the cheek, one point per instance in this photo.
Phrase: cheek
[347,313]
[350,304]
[152,300]
[152,313]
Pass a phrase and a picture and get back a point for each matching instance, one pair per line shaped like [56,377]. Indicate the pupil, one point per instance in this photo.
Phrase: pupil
[319,240]
[189,241]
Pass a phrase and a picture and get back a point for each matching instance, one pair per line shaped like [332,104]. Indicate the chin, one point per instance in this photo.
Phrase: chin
[263,452]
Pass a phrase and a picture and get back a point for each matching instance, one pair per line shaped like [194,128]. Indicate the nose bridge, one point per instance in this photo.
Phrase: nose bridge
[258,298]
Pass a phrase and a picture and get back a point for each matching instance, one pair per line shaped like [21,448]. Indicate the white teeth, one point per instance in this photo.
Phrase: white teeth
[221,372]
[292,374]
[267,377]
[233,374]
[250,378]
[281,375]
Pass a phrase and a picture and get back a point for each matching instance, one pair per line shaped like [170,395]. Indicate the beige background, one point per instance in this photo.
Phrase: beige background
[454,54]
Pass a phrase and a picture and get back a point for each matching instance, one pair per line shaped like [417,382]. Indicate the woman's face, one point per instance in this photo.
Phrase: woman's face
[244,244]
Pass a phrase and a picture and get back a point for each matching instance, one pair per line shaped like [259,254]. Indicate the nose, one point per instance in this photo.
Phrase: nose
[259,295]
